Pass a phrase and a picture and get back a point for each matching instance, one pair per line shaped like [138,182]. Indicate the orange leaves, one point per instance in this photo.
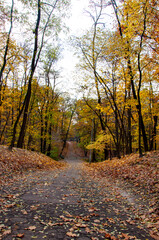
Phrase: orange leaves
[81,225]
[138,173]
[92,209]
[126,236]
[24,211]
[141,171]
[110,237]
[20,235]
[20,160]
[10,205]
[111,220]
[6,232]
[31,228]
[70,234]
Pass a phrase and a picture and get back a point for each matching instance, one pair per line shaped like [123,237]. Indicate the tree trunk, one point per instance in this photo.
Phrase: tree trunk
[41,133]
[45,132]
[30,139]
[92,153]
[25,117]
[28,95]
[5,56]
[2,132]
[50,137]
[138,106]
[154,134]
[117,135]
[129,125]
[15,127]
[68,129]
[140,147]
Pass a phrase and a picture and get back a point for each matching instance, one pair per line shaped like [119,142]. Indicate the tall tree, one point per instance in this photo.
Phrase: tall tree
[35,58]
[6,49]
[126,29]
[91,51]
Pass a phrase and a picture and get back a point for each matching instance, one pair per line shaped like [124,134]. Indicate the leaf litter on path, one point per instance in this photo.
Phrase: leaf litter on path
[137,180]
[74,204]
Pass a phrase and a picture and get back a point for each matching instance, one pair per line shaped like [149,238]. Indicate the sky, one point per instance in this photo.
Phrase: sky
[79,19]
[78,22]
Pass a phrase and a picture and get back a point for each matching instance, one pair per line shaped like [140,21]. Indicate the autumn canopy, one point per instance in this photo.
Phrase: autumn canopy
[117,112]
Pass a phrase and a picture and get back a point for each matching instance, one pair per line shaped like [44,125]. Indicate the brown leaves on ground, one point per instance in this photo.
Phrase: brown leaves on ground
[20,235]
[18,161]
[141,174]
[31,228]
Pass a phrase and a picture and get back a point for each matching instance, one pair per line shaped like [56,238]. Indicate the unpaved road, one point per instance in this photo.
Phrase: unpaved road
[67,204]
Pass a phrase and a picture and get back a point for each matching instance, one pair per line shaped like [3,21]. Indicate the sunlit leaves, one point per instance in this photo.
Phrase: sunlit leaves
[123,66]
[102,141]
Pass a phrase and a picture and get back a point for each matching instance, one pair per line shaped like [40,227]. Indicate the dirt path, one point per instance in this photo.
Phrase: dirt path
[67,204]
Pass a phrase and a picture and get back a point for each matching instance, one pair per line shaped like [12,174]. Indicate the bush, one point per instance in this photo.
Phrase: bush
[54,153]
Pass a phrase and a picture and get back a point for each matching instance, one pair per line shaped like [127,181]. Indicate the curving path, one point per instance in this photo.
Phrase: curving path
[68,204]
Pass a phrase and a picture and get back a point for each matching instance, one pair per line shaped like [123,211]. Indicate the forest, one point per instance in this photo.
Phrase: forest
[117,110]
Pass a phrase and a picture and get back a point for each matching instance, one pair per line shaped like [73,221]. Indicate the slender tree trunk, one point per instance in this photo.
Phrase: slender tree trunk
[155,126]
[4,127]
[68,129]
[5,56]
[28,95]
[41,133]
[30,139]
[94,66]
[92,152]
[7,44]
[138,106]
[15,127]
[154,134]
[50,137]
[140,147]
[117,135]
[141,123]
[25,117]
[129,131]
[129,126]
[45,131]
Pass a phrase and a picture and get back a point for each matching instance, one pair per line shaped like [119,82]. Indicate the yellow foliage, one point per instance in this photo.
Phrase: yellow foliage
[102,140]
